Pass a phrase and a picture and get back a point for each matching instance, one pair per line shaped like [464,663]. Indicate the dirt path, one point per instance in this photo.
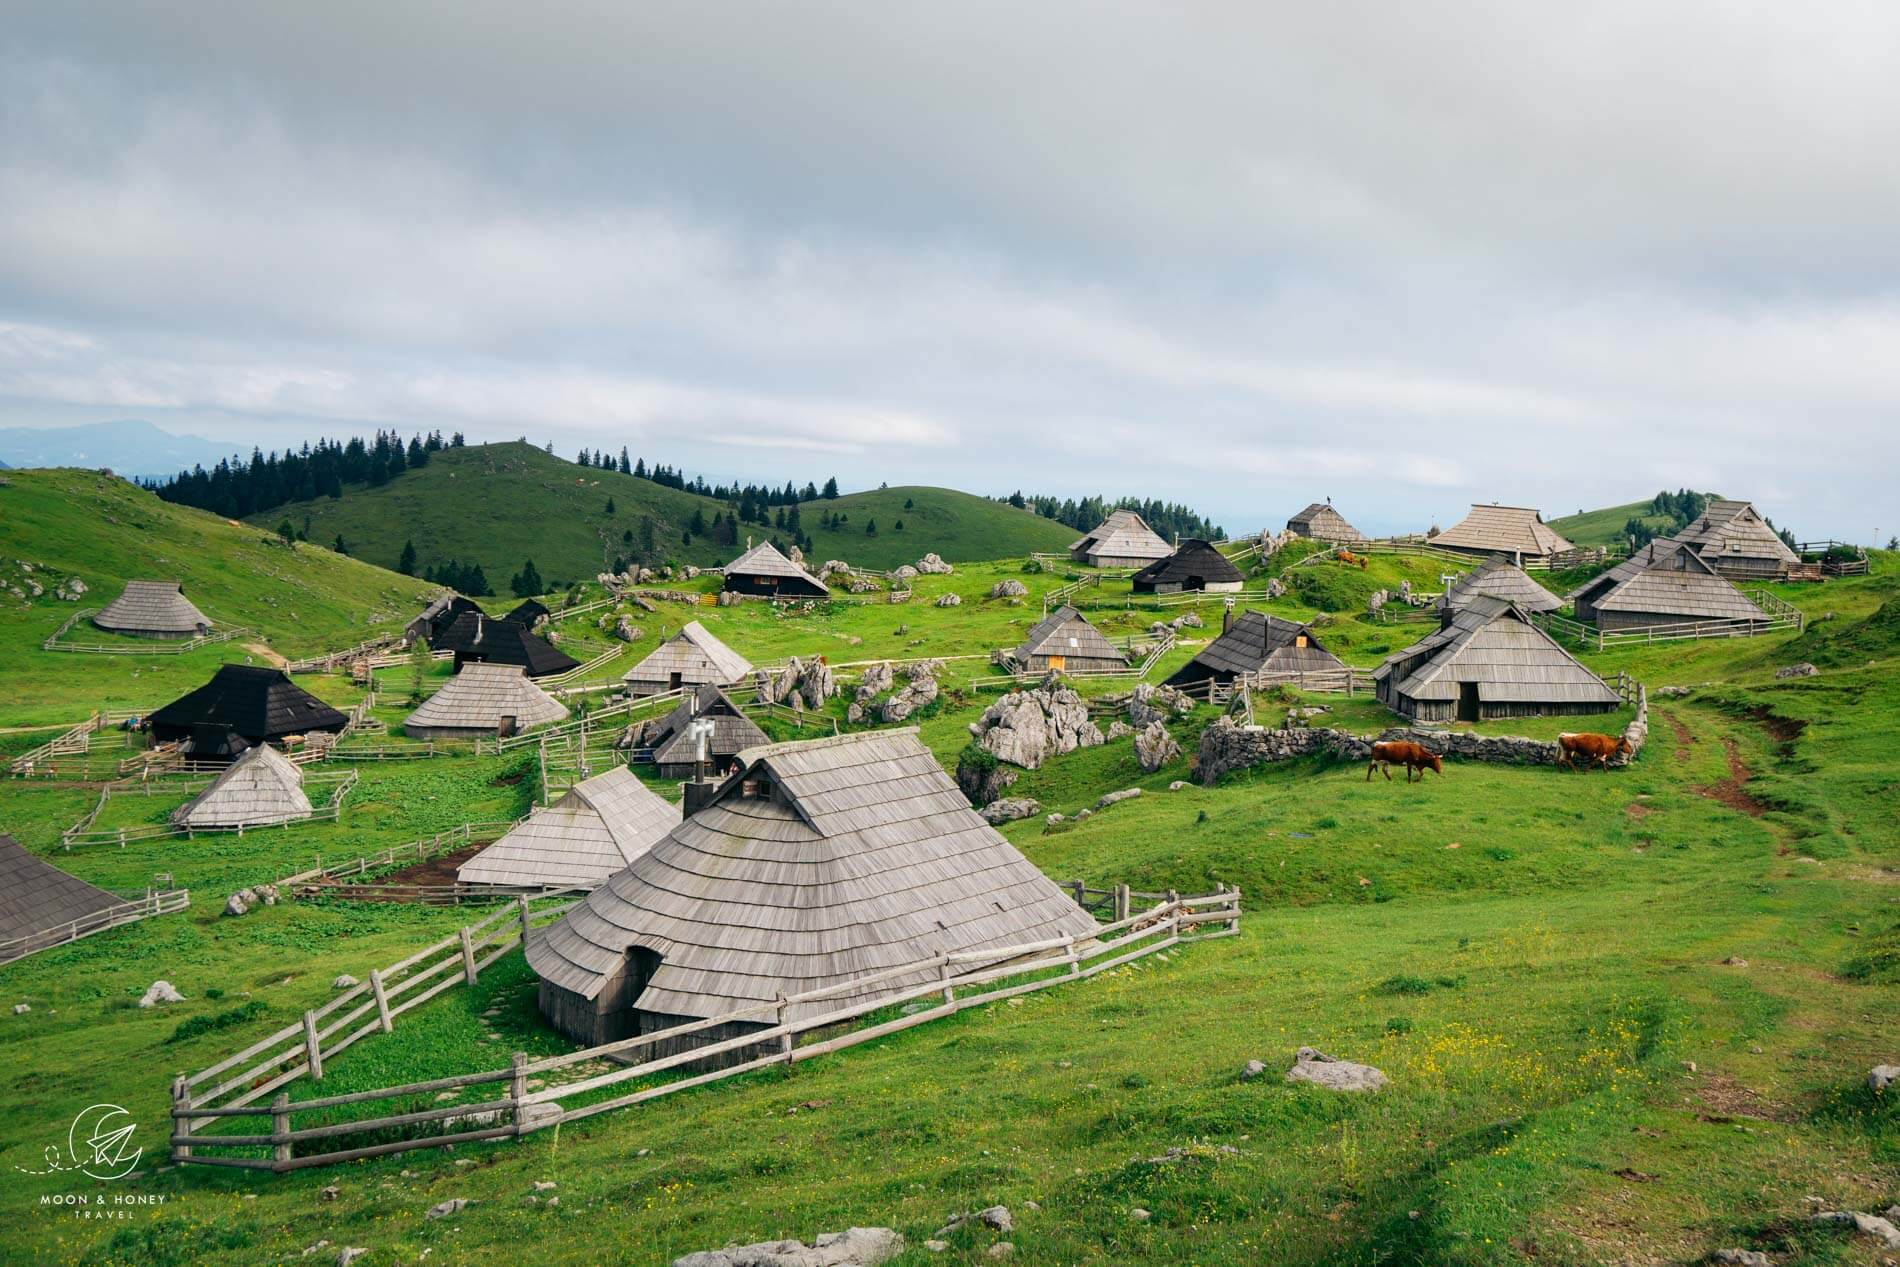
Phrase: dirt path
[1683,737]
[266,654]
[1733,791]
[437,870]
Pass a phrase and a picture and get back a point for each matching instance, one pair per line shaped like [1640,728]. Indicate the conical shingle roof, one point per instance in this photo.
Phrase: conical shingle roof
[260,788]
[816,863]
[156,609]
[596,829]
[479,698]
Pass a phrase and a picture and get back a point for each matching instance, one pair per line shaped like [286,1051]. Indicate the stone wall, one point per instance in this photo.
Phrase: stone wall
[1226,746]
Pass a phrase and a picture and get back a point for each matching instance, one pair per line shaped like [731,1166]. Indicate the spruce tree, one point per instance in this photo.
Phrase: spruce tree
[407,564]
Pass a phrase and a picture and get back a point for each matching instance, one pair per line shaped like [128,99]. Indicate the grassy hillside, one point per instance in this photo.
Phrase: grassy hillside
[105,531]
[1626,1016]
[1605,527]
[499,504]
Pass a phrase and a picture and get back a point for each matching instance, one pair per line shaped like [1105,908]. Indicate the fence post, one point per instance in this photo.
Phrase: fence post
[181,1104]
[1234,923]
[1077,886]
[382,999]
[943,965]
[522,901]
[785,1039]
[1073,955]
[518,1088]
[280,1130]
[1121,902]
[312,1048]
[468,956]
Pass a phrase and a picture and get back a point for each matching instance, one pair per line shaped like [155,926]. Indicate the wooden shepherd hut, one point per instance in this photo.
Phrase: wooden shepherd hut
[1320,522]
[484,701]
[38,901]
[1733,538]
[691,657]
[262,788]
[479,639]
[762,572]
[256,703]
[153,609]
[598,827]
[1123,540]
[1065,642]
[1194,565]
[1664,583]
[1254,644]
[668,742]
[1516,532]
[1488,661]
[815,863]
[531,612]
[1498,578]
[434,620]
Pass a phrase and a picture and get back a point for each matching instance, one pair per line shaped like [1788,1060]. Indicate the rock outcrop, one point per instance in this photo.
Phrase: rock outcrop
[934,566]
[160,992]
[948,600]
[1026,728]
[856,1247]
[1316,1067]
[1009,809]
[1008,589]
[1155,747]
[803,682]
[1149,703]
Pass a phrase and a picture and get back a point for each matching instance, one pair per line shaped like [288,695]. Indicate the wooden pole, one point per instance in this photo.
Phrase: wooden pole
[181,1103]
[468,956]
[382,999]
[313,1050]
[785,1039]
[522,901]
[518,1088]
[949,995]
[280,1128]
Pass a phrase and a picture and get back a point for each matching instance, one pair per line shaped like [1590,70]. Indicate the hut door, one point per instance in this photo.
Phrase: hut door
[1058,663]
[1467,701]
[672,681]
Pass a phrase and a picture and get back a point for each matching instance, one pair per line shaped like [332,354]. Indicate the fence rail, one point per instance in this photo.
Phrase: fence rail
[300,1049]
[329,660]
[46,759]
[154,902]
[583,669]
[320,880]
[156,646]
[953,982]
[1780,615]
[83,834]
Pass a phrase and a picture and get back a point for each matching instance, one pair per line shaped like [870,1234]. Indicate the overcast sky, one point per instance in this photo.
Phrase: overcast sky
[1245,256]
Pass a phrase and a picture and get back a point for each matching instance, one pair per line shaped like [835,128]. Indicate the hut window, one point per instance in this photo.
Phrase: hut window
[756,790]
[1299,640]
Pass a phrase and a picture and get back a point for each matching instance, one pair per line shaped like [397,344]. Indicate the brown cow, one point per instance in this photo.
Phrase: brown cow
[1413,756]
[1593,748]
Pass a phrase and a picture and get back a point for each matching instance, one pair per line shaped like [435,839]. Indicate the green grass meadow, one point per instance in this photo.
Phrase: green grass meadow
[1627,1016]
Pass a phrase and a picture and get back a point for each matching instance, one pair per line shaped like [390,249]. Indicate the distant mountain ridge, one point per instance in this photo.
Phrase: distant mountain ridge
[129,446]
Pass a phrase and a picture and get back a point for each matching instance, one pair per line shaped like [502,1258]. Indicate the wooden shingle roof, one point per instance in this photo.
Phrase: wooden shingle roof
[36,896]
[152,607]
[1260,641]
[1669,578]
[261,787]
[480,695]
[1497,578]
[1193,558]
[256,701]
[1123,535]
[764,559]
[1735,529]
[597,828]
[733,732]
[816,863]
[477,637]
[1067,632]
[1320,522]
[1490,642]
[696,655]
[1503,530]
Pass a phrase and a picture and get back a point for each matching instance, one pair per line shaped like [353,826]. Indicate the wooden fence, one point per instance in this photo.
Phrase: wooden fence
[331,660]
[300,1049]
[583,669]
[84,834]
[1341,681]
[152,902]
[952,983]
[153,646]
[70,754]
[627,708]
[339,879]
[1834,558]
[1150,648]
[1781,615]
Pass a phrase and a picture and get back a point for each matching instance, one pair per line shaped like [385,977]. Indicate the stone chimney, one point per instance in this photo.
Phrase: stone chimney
[1227,616]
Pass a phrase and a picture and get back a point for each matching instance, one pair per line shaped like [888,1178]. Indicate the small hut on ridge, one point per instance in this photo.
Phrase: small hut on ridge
[1065,642]
[598,827]
[762,572]
[1665,583]
[691,657]
[256,703]
[1256,643]
[484,701]
[1498,578]
[1487,660]
[1734,539]
[153,609]
[1517,532]
[669,743]
[1320,522]
[1123,540]
[479,639]
[262,788]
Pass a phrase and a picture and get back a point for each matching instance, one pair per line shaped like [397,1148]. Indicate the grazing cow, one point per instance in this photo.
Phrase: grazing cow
[1592,748]
[1413,756]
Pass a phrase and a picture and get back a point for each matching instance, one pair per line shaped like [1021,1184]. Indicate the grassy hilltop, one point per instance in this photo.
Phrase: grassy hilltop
[105,531]
[499,504]
[1627,1016]
[1604,527]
